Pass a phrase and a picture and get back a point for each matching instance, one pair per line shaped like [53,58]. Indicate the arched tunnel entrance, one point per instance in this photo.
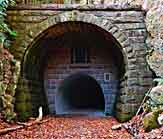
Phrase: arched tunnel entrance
[80,94]
[74,67]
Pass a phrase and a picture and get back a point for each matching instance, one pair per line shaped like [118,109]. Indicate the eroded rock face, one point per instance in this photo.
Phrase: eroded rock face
[155,60]
[157,94]
[154,23]
[155,101]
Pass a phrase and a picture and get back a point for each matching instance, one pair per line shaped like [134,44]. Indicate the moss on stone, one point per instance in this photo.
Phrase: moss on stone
[23,116]
[23,101]
[21,97]
[150,121]
[28,97]
[23,110]
[123,117]
[28,106]
[20,107]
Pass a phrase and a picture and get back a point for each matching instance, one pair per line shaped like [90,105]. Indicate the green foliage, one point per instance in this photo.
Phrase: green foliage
[4,4]
[4,28]
[159,80]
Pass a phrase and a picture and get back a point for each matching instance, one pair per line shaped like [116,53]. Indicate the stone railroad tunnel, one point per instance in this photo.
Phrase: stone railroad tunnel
[81,63]
[80,69]
[80,94]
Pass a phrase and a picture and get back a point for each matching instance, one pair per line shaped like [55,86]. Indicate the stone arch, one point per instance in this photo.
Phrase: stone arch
[31,58]
[69,96]
[40,29]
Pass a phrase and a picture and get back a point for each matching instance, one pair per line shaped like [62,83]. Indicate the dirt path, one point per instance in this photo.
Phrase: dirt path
[71,128]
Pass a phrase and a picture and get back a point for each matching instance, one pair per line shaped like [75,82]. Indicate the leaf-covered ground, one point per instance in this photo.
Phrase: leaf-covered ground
[69,128]
[77,127]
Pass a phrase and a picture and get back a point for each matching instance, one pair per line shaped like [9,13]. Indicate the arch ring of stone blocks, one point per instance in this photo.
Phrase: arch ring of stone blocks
[37,31]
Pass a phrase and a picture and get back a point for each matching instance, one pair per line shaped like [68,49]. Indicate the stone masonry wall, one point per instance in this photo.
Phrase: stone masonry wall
[59,68]
[127,26]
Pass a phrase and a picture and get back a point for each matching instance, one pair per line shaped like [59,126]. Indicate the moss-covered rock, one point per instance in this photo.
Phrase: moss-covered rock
[150,121]
[155,101]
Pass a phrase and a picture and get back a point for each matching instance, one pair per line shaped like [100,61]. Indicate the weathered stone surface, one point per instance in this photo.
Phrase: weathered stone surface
[132,81]
[126,26]
[136,90]
[131,99]
[92,4]
[150,121]
[155,101]
[127,107]
[154,22]
[156,94]
[122,117]
[156,63]
[145,81]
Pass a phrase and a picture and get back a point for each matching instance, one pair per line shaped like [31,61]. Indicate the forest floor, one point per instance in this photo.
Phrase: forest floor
[77,127]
